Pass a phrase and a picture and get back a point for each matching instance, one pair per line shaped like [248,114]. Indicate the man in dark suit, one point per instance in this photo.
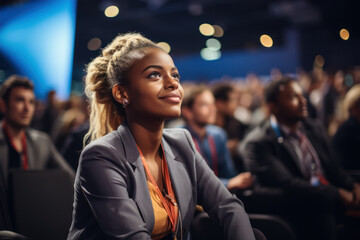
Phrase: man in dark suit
[20,146]
[290,153]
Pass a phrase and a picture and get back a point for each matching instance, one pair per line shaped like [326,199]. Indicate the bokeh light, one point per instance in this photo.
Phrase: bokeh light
[209,54]
[344,34]
[206,29]
[319,61]
[213,44]
[195,9]
[266,40]
[219,31]
[111,11]
[165,46]
[94,44]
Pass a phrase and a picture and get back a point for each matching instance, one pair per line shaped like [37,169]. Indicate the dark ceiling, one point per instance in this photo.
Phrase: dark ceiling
[243,21]
[177,21]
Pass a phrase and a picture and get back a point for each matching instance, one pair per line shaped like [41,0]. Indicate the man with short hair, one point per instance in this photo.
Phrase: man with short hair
[199,112]
[20,146]
[291,153]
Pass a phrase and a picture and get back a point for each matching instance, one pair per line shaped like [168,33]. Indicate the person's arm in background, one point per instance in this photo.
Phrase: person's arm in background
[230,178]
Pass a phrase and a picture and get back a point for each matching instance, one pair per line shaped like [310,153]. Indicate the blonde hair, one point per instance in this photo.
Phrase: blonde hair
[352,97]
[106,70]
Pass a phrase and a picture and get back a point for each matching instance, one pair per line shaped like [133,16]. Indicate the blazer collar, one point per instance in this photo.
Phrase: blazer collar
[176,172]
[132,154]
[283,140]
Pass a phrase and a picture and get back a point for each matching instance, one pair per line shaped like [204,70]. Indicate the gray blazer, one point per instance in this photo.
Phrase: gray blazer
[112,199]
[42,153]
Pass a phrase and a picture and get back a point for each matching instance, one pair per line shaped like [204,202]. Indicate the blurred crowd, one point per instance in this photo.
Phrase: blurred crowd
[238,106]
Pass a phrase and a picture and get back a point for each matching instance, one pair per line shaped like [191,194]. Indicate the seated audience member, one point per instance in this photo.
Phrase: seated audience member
[199,112]
[137,180]
[20,146]
[226,101]
[290,152]
[347,138]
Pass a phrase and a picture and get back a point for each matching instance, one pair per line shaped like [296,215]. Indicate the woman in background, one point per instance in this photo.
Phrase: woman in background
[137,180]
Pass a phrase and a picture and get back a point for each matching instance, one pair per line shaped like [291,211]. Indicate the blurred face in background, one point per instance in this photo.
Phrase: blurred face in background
[228,106]
[203,110]
[291,104]
[20,107]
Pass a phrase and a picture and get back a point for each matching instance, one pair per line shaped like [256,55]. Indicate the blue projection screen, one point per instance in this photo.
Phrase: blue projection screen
[37,38]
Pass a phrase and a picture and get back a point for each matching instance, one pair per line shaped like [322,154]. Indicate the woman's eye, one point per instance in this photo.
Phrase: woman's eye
[177,76]
[154,75]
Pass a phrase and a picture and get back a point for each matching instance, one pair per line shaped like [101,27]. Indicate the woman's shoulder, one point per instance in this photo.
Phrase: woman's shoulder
[176,134]
[106,144]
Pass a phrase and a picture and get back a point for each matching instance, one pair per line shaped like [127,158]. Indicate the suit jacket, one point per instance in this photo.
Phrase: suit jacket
[272,159]
[112,199]
[42,153]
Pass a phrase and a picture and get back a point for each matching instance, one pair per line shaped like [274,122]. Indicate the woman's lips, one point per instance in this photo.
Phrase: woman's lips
[172,97]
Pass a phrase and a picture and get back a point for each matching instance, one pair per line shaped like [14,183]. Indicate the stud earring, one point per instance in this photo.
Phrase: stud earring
[125,103]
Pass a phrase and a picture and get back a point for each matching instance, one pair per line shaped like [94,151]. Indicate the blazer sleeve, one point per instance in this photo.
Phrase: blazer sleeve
[45,154]
[104,181]
[225,209]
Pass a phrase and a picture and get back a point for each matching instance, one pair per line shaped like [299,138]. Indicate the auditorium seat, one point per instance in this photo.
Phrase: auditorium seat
[8,235]
[273,227]
[42,202]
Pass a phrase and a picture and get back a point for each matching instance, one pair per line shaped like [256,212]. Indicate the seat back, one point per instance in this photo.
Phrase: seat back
[42,203]
[273,227]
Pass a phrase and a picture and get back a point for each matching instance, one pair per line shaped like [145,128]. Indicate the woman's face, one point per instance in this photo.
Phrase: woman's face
[154,89]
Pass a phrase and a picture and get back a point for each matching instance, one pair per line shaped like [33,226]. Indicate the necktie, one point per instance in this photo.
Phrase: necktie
[310,161]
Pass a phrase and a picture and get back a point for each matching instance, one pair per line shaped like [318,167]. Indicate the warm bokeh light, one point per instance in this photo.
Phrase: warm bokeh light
[111,11]
[344,34]
[213,44]
[266,40]
[165,46]
[94,44]
[209,54]
[319,61]
[219,31]
[206,29]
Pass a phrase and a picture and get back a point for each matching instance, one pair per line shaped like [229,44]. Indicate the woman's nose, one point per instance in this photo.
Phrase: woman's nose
[171,82]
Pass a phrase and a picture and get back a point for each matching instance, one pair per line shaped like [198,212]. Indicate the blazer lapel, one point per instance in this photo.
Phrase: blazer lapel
[290,149]
[142,195]
[177,175]
[284,143]
[30,151]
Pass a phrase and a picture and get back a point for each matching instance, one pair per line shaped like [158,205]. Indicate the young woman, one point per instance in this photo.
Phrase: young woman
[137,180]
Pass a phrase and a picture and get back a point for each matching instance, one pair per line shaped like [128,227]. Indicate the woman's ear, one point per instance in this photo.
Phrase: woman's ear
[119,93]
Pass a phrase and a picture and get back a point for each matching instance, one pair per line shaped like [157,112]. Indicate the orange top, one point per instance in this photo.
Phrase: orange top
[162,226]
[164,203]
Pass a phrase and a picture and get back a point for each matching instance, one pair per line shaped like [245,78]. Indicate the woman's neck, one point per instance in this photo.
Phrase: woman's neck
[148,137]
[16,134]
